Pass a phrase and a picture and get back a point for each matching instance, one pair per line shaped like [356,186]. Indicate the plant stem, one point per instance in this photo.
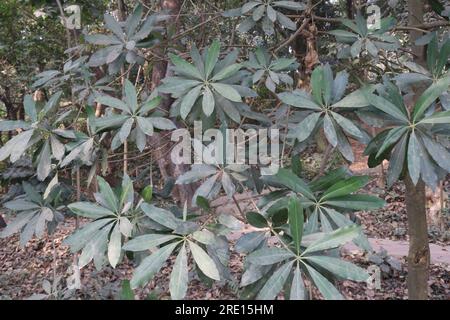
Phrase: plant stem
[419,250]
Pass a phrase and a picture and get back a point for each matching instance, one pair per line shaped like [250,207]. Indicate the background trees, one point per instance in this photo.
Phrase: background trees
[322,73]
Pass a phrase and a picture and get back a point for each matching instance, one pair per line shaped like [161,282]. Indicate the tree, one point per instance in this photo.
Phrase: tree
[153,68]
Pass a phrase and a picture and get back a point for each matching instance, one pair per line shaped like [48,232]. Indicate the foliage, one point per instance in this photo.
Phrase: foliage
[437,57]
[272,71]
[303,254]
[115,215]
[133,119]
[363,39]
[124,42]
[210,80]
[265,14]
[36,213]
[41,129]
[299,224]
[327,109]
[180,234]
[415,140]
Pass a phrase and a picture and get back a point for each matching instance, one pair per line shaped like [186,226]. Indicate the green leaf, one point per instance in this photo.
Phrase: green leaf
[258,13]
[185,67]
[227,72]
[443,57]
[125,130]
[317,84]
[204,236]
[340,268]
[293,182]
[162,123]
[89,210]
[208,102]
[386,106]
[147,194]
[275,283]
[291,5]
[17,224]
[304,129]
[204,262]
[133,21]
[345,187]
[347,125]
[161,216]
[45,162]
[179,277]
[30,107]
[325,287]
[268,256]
[436,118]
[10,125]
[248,242]
[249,6]
[392,137]
[343,34]
[329,130]
[356,48]
[327,84]
[414,150]
[432,53]
[102,39]
[211,57]
[57,147]
[148,241]
[438,152]
[329,179]
[113,25]
[16,146]
[298,99]
[108,195]
[282,64]
[256,219]
[113,102]
[151,265]
[126,293]
[115,246]
[333,239]
[295,212]
[397,160]
[356,202]
[227,91]
[356,99]
[188,101]
[130,96]
[429,96]
[150,105]
[298,291]
[20,205]
[81,237]
[145,125]
[51,103]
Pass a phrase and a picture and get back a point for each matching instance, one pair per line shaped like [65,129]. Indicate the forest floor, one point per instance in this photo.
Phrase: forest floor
[24,270]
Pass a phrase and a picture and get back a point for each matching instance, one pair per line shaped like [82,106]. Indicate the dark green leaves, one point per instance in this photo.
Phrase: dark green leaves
[209,83]
[256,219]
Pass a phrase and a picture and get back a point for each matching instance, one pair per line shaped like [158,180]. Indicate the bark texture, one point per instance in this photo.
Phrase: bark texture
[161,141]
[419,249]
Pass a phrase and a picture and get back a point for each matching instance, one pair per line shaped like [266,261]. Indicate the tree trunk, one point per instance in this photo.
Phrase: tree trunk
[168,170]
[419,250]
